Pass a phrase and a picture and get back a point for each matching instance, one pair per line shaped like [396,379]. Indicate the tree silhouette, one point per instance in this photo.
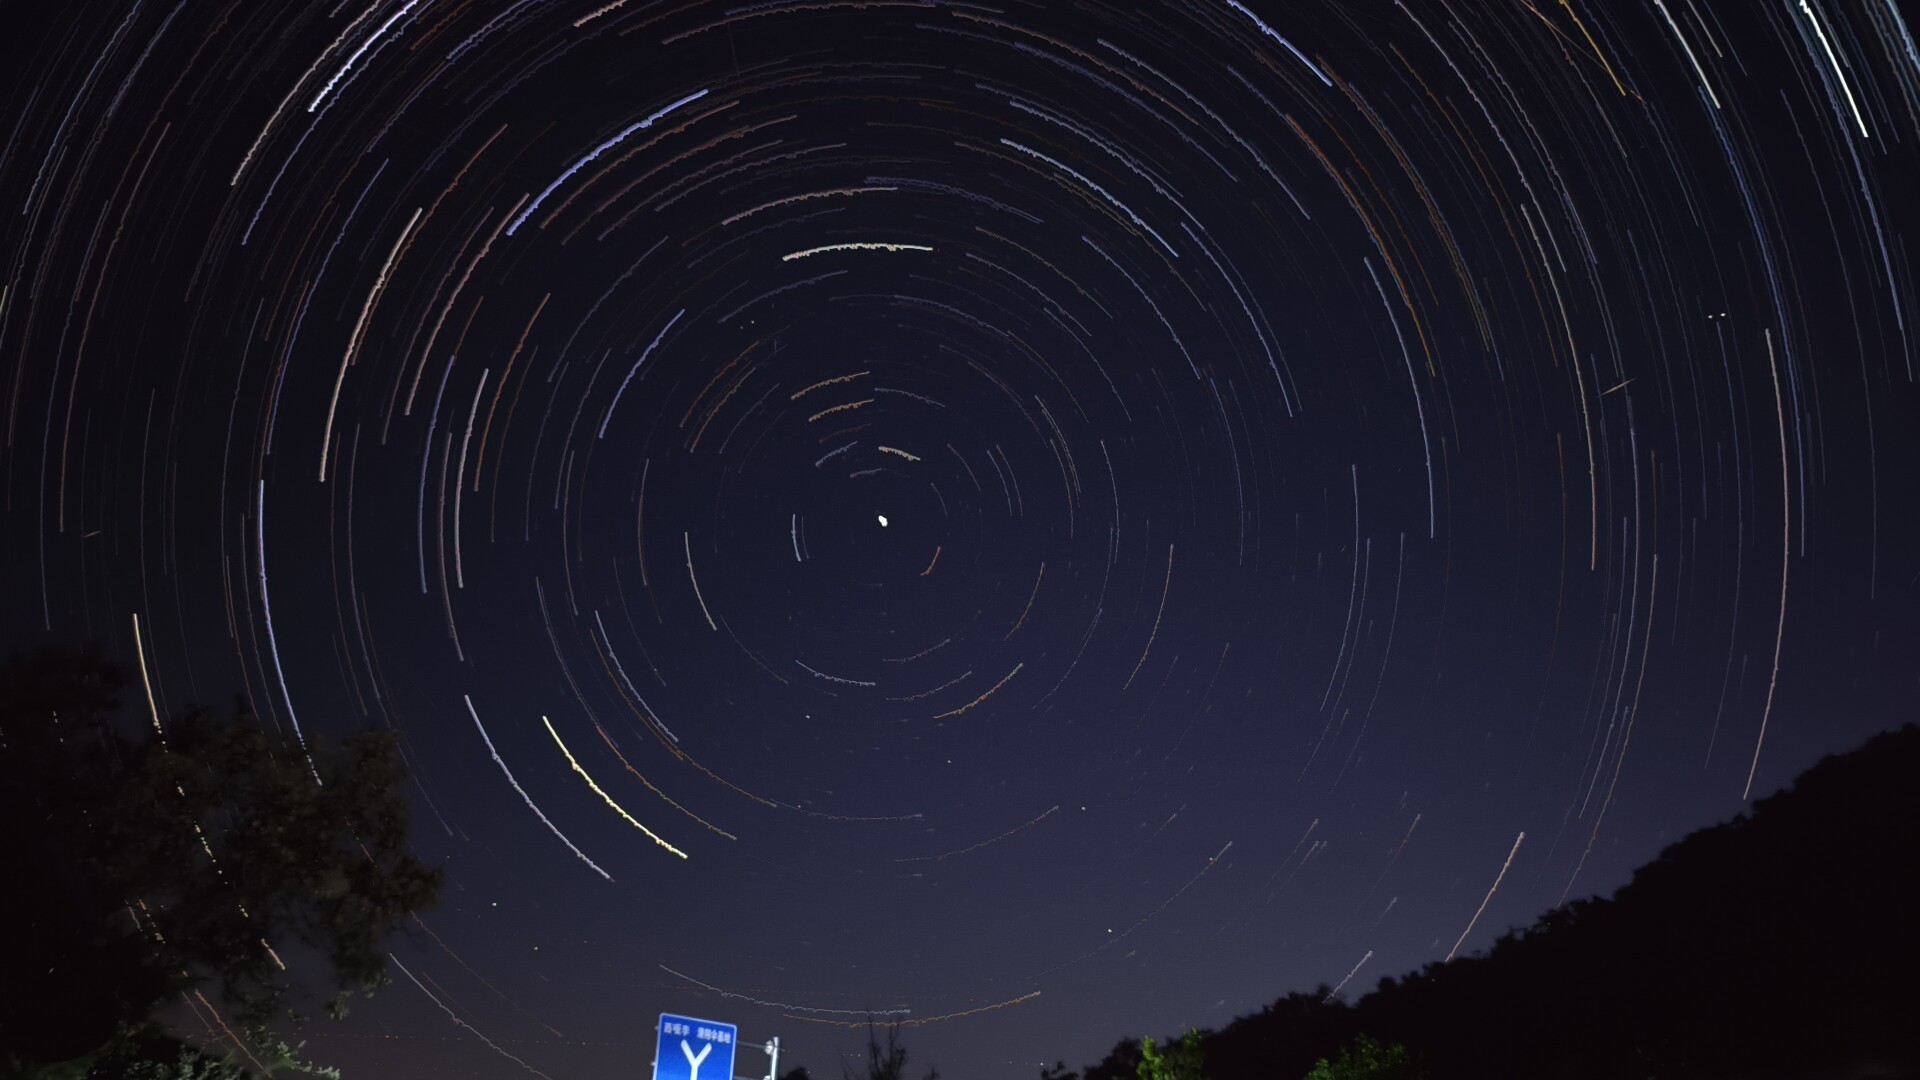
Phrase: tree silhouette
[1121,1063]
[154,862]
[884,1063]
[147,1053]
[1368,1059]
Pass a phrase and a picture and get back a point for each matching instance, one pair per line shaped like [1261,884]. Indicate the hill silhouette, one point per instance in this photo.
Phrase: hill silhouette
[1784,943]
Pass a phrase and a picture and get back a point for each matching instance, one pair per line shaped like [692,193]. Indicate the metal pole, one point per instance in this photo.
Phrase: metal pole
[773,1051]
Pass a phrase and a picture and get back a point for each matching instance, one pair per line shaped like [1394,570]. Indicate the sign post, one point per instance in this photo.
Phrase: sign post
[691,1049]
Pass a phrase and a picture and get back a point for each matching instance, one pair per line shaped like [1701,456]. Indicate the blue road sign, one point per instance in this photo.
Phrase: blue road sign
[690,1049]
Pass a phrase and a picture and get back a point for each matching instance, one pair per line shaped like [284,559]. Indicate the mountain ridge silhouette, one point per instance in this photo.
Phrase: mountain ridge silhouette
[1783,943]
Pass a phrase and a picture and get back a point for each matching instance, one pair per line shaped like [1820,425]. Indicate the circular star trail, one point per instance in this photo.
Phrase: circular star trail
[1039,521]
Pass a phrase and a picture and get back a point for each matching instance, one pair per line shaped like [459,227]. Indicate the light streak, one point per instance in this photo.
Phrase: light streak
[818,674]
[1488,899]
[1335,992]
[918,1021]
[824,383]
[266,614]
[855,246]
[991,840]
[422,923]
[898,1011]
[238,1043]
[636,367]
[597,12]
[831,454]
[948,685]
[1269,31]
[140,648]
[1694,60]
[744,214]
[1626,737]
[686,543]
[1353,590]
[1168,584]
[358,53]
[839,408]
[1420,409]
[1098,190]
[459,478]
[1786,551]
[358,337]
[664,797]
[598,791]
[527,212]
[1838,74]
[498,760]
[1115,939]
[1022,621]
[976,701]
[456,1019]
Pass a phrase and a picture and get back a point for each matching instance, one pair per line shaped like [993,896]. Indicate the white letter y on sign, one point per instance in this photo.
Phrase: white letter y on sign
[693,1059]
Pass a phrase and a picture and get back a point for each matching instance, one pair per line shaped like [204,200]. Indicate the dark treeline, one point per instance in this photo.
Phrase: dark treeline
[155,861]
[1784,943]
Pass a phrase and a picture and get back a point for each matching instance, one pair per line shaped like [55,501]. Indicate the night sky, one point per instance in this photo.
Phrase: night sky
[1044,521]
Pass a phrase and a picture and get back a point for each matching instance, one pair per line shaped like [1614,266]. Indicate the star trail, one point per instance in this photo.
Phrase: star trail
[1031,521]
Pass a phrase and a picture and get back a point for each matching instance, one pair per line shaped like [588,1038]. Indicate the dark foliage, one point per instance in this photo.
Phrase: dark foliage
[1781,944]
[1121,1063]
[1369,1059]
[73,971]
[150,865]
[1182,1060]
[152,1055]
[887,1062]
